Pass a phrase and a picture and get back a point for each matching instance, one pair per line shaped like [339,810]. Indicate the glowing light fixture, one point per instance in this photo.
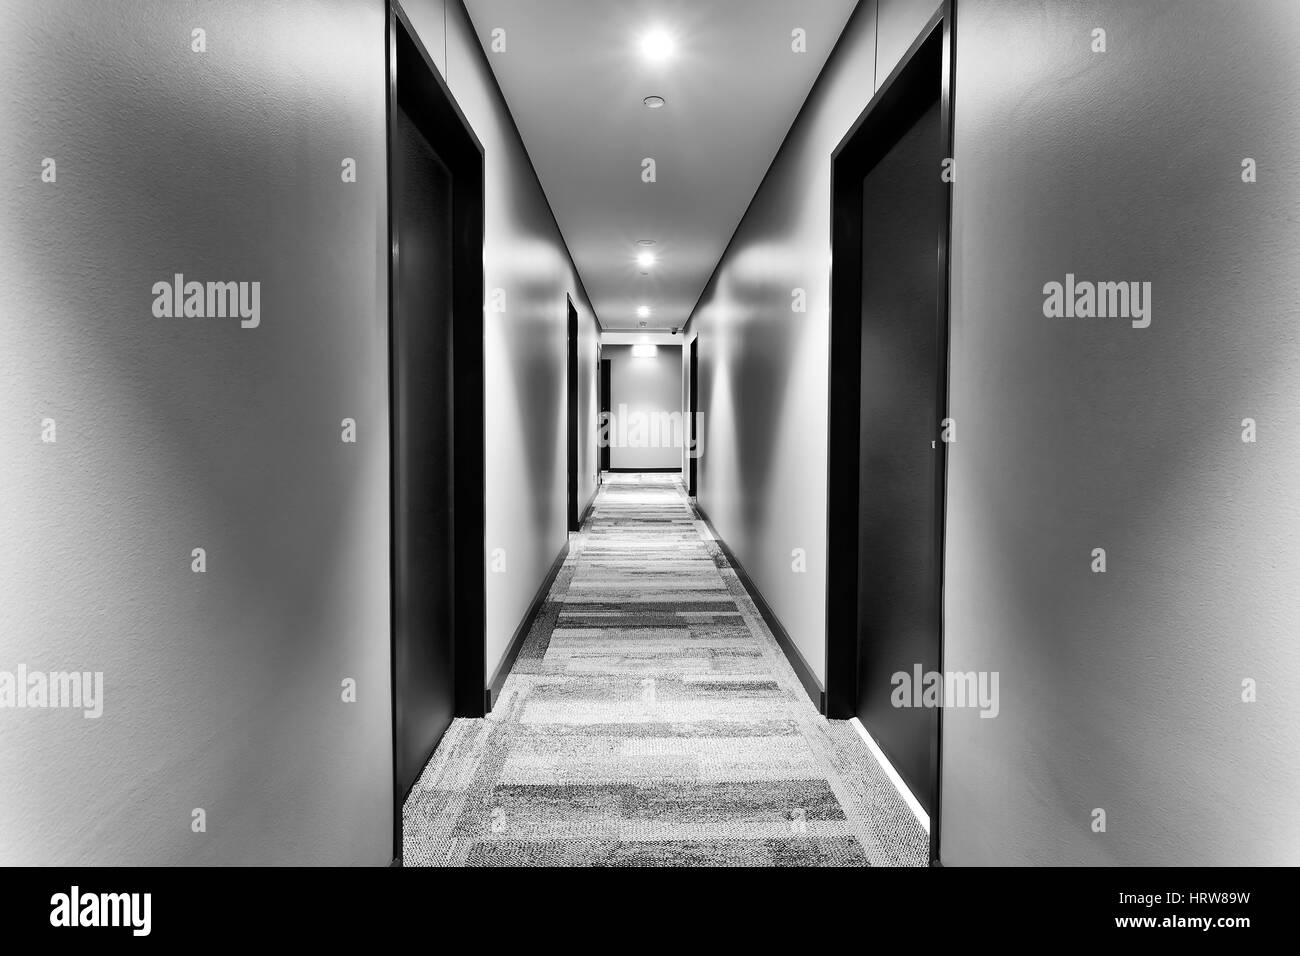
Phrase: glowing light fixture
[642,311]
[645,259]
[657,46]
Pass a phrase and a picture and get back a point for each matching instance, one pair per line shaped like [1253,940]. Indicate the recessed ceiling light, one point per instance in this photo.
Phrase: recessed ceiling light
[643,311]
[645,242]
[654,102]
[657,46]
[645,259]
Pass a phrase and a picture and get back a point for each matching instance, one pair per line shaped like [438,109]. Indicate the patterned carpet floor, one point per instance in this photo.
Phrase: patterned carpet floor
[652,720]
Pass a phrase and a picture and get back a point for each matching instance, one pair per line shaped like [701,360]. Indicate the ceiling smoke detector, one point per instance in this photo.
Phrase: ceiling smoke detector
[654,102]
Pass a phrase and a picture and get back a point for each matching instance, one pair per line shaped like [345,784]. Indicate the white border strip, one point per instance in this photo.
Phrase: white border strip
[912,803]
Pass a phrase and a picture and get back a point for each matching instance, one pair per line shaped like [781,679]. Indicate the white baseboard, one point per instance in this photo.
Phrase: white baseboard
[912,803]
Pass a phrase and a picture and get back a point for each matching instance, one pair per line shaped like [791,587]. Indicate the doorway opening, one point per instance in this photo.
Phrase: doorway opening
[889,379]
[435,295]
[644,423]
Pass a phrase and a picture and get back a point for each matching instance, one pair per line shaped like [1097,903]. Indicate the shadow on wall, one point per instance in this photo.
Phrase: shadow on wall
[178,433]
[534,383]
[762,408]
[1122,688]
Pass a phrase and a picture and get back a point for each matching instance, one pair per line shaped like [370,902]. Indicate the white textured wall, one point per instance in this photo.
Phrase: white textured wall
[1122,690]
[525,346]
[1118,691]
[763,401]
[222,689]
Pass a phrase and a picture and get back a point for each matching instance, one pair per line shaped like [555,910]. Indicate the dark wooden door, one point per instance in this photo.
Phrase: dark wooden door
[572,416]
[693,409]
[424,655]
[606,383]
[898,560]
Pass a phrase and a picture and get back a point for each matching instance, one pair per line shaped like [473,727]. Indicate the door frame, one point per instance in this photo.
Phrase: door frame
[693,412]
[605,373]
[595,423]
[571,415]
[461,151]
[888,115]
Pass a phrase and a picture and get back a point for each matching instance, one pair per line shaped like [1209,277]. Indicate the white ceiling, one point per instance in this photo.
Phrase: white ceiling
[640,338]
[574,78]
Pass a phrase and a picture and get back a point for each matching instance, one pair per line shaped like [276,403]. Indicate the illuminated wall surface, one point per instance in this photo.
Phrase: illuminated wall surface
[1120,691]
[226,731]
[1123,691]
[223,690]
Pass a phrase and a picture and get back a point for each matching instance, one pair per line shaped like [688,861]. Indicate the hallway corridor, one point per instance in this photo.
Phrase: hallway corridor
[621,433]
[651,719]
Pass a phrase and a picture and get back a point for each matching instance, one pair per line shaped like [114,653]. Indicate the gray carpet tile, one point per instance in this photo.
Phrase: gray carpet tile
[652,720]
